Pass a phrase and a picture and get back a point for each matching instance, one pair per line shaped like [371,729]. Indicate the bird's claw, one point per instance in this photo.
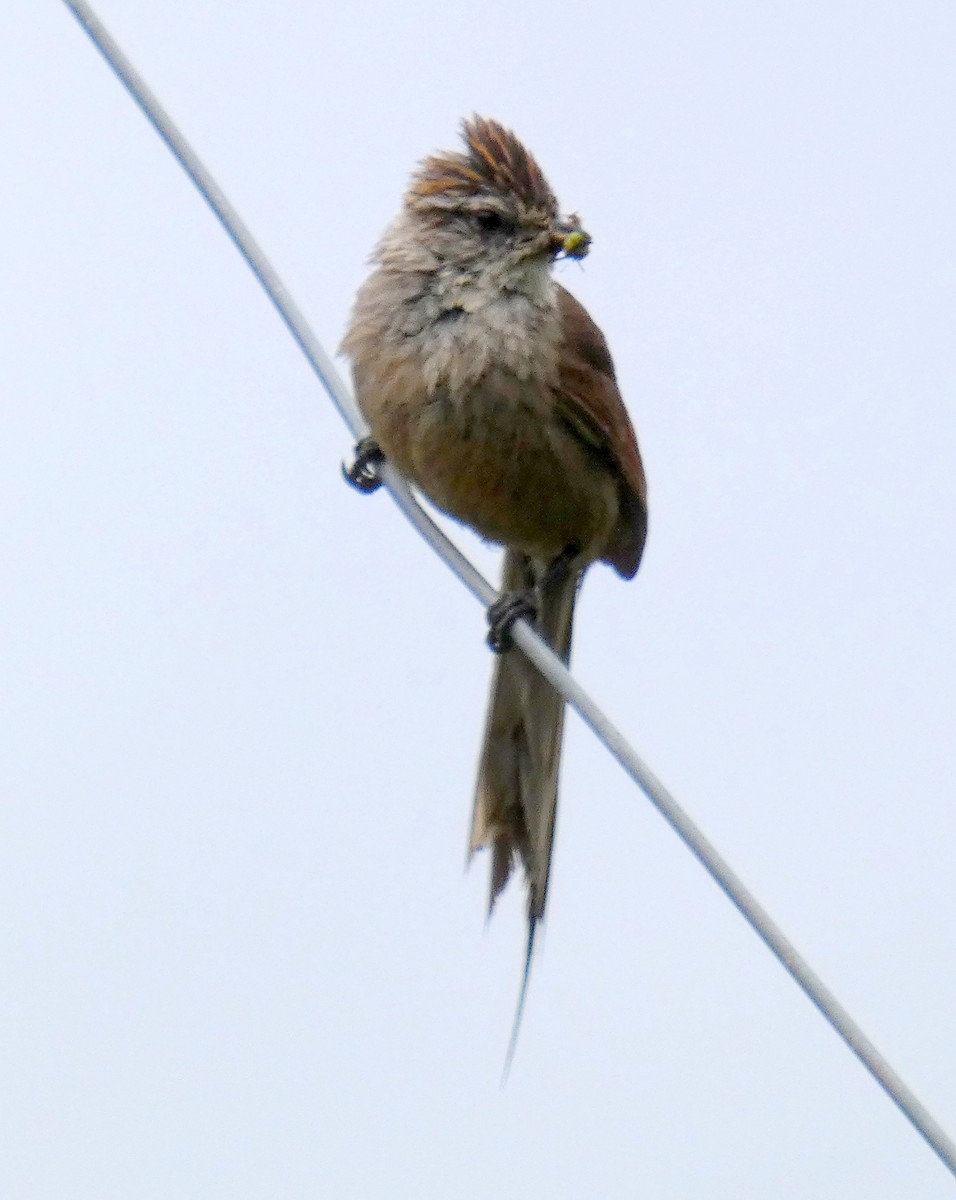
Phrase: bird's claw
[508,608]
[363,473]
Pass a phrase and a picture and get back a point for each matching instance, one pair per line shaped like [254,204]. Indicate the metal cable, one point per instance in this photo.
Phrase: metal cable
[531,645]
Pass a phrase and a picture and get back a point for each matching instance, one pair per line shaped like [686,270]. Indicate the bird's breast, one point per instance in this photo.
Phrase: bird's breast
[465,407]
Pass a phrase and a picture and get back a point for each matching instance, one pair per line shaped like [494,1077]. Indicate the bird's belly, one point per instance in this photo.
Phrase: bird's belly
[505,467]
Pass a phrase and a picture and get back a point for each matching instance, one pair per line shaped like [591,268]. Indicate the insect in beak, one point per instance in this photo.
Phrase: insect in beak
[568,239]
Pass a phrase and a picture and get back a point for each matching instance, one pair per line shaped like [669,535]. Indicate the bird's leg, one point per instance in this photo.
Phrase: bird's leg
[363,473]
[515,606]
[558,569]
[508,608]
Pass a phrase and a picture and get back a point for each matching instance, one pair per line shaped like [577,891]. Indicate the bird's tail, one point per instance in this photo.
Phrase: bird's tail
[517,793]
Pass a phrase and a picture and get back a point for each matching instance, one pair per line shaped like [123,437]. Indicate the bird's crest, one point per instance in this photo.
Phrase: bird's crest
[495,161]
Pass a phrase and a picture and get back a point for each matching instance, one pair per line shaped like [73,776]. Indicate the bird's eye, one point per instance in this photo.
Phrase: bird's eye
[489,221]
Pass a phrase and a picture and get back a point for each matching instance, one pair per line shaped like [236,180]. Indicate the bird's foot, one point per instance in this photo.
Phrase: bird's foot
[508,608]
[363,474]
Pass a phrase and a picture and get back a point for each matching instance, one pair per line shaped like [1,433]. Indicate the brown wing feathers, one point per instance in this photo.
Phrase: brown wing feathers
[591,405]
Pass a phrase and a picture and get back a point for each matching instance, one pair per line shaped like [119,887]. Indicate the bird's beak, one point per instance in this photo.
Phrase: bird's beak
[568,239]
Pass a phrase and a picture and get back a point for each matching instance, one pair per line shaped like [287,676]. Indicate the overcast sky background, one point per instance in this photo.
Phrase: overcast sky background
[240,705]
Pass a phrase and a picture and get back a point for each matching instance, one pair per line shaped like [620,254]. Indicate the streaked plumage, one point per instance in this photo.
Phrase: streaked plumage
[493,391]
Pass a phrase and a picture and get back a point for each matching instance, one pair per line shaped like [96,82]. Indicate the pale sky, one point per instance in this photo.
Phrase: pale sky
[239,954]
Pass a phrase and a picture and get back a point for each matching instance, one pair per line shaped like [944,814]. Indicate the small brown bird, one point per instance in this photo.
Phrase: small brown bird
[492,390]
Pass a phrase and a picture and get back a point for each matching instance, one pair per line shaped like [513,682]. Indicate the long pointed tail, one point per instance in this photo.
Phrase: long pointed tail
[522,996]
[517,793]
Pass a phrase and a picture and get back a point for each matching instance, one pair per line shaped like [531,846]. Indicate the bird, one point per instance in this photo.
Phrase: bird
[491,389]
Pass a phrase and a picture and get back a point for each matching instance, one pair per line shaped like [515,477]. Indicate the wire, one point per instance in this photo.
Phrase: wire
[531,645]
